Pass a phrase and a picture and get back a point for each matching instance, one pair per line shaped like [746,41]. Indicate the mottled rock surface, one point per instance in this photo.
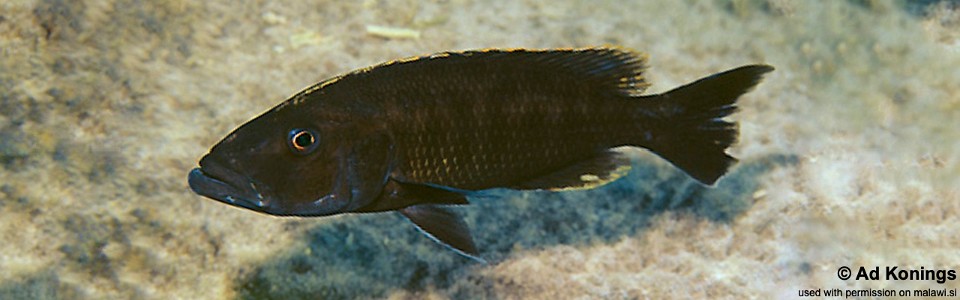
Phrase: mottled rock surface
[850,153]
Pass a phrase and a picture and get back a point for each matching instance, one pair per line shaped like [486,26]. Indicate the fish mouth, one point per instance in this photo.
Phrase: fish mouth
[214,180]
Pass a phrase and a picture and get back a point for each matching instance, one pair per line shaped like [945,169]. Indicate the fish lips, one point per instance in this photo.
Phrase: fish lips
[216,181]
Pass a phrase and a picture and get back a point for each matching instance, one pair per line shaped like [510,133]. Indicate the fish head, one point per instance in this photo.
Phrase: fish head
[280,164]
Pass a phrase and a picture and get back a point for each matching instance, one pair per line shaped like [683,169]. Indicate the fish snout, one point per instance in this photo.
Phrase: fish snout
[216,181]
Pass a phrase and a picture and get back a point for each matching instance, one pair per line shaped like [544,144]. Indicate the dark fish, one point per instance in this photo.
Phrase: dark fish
[416,134]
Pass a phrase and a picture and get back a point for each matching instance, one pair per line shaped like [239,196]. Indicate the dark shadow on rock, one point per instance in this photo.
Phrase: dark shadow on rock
[364,256]
[39,286]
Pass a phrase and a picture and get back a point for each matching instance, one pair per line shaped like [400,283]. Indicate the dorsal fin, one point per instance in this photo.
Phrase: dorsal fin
[616,69]
[619,69]
[586,174]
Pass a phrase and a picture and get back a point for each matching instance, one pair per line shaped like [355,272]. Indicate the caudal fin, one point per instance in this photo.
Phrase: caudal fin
[695,136]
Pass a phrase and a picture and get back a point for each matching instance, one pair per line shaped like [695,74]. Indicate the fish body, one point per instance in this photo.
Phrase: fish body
[416,134]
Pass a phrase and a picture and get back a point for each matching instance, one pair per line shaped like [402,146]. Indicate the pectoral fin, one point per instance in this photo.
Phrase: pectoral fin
[398,195]
[444,226]
[428,194]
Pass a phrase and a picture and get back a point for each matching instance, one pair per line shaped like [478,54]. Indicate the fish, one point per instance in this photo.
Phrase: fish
[422,134]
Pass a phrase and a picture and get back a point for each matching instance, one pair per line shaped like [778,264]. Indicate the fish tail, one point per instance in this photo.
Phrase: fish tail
[694,136]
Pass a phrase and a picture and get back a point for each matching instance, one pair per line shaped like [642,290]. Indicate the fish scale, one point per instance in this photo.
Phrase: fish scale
[537,125]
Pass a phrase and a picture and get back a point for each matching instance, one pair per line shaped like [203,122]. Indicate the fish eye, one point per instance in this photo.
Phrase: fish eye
[302,141]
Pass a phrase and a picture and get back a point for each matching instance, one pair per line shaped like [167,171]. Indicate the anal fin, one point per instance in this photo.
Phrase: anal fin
[443,226]
[585,174]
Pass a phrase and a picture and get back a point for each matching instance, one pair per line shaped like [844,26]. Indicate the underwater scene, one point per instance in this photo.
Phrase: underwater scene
[845,181]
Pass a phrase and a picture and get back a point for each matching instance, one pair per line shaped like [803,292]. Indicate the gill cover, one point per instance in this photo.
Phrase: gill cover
[364,170]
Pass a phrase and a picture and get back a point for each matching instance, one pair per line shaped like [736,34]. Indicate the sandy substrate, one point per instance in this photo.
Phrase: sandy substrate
[849,152]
